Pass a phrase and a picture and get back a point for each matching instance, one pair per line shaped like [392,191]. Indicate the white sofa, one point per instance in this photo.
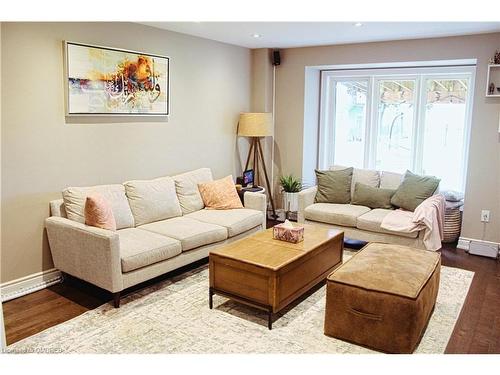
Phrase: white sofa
[161,225]
[357,222]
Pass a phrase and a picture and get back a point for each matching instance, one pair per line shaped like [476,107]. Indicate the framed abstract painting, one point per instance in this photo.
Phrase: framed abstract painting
[108,81]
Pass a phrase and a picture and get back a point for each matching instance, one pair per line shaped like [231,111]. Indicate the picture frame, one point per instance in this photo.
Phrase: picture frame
[248,178]
[107,81]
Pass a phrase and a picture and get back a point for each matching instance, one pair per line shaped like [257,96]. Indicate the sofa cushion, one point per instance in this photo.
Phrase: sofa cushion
[371,221]
[186,185]
[368,177]
[332,213]
[390,180]
[372,197]
[236,221]
[334,186]
[191,233]
[75,198]
[414,190]
[140,248]
[152,200]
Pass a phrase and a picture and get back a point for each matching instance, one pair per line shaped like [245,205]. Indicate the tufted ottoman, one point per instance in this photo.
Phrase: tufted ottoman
[383,297]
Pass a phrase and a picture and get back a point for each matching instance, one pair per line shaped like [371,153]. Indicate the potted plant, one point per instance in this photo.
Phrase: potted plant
[290,187]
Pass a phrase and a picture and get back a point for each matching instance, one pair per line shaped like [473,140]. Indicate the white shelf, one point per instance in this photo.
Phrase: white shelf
[493,76]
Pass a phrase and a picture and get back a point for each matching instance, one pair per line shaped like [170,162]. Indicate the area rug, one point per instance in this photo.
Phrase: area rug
[172,316]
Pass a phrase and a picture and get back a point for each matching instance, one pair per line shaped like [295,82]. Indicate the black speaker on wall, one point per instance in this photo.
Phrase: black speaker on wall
[276,57]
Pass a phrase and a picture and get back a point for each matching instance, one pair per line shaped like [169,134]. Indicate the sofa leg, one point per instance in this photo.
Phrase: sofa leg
[116,299]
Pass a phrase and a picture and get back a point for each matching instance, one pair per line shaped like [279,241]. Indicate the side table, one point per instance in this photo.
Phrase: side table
[242,191]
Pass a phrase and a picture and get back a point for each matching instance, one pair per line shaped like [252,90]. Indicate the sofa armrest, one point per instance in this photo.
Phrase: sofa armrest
[306,198]
[257,201]
[89,253]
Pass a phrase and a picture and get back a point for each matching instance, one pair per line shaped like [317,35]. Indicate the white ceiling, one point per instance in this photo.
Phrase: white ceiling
[300,34]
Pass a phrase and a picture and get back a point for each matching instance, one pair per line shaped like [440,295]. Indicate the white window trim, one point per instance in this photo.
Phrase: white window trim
[378,72]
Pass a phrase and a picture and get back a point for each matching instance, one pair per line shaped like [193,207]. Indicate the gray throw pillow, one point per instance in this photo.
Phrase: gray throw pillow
[414,190]
[334,186]
[372,197]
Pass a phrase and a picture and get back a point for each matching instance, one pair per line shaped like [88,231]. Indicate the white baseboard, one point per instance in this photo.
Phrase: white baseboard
[464,243]
[29,284]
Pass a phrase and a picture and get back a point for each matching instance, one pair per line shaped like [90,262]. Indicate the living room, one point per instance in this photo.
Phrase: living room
[330,186]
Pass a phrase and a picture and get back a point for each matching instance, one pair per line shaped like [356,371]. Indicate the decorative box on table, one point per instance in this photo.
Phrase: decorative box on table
[289,233]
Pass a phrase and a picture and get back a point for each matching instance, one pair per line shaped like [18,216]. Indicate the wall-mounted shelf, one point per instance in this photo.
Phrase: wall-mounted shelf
[493,77]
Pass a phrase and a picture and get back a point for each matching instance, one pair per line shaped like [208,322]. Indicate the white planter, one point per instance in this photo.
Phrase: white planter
[291,201]
[280,214]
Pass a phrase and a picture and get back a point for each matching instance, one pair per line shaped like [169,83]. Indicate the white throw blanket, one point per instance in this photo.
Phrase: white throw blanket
[428,216]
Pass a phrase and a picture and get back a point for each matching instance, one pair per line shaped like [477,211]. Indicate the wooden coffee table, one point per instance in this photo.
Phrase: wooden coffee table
[269,274]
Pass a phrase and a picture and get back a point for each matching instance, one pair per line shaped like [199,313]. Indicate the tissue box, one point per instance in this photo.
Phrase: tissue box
[293,235]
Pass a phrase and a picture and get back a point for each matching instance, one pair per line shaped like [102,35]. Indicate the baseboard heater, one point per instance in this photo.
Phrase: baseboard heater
[484,249]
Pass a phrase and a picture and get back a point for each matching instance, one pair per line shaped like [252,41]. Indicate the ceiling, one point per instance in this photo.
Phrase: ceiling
[300,34]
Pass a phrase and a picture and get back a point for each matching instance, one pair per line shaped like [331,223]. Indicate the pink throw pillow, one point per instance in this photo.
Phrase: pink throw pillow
[98,212]
[220,194]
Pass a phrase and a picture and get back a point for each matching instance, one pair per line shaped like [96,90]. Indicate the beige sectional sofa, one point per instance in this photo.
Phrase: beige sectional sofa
[357,222]
[161,225]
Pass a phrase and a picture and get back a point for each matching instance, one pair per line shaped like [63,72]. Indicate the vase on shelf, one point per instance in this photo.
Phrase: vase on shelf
[491,89]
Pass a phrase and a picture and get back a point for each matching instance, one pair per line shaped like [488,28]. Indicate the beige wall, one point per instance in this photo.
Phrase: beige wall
[483,181]
[0,146]
[42,152]
[262,100]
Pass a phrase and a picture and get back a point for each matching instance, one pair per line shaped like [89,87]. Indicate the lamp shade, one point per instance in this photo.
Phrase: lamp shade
[255,124]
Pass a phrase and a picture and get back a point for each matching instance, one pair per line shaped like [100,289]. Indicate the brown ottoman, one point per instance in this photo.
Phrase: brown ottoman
[383,297]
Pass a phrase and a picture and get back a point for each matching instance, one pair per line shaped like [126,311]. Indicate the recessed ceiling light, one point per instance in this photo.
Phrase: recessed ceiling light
[257,35]
[358,24]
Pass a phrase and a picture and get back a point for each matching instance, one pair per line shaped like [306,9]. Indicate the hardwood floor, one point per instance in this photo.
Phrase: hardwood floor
[477,329]
[48,307]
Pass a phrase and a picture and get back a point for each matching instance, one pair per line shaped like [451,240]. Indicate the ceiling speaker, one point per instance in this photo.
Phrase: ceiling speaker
[276,57]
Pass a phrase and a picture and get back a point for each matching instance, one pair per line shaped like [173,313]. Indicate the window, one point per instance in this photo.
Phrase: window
[398,119]
[350,115]
[395,122]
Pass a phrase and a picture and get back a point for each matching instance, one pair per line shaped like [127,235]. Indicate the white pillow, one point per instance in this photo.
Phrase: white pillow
[453,196]
[186,186]
[152,200]
[75,197]
[368,177]
[390,180]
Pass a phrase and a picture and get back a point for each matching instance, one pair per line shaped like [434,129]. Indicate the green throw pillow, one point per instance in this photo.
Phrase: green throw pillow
[334,186]
[414,190]
[372,197]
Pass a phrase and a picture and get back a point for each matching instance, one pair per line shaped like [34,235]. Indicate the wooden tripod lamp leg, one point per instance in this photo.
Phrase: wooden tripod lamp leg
[252,144]
[267,178]
[255,164]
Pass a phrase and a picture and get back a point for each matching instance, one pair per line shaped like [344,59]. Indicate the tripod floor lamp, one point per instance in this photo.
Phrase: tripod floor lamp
[256,126]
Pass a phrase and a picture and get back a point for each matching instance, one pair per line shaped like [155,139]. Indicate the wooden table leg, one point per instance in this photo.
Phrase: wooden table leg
[210,298]
[270,319]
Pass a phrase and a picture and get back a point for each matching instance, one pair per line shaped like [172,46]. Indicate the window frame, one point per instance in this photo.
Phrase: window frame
[420,74]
